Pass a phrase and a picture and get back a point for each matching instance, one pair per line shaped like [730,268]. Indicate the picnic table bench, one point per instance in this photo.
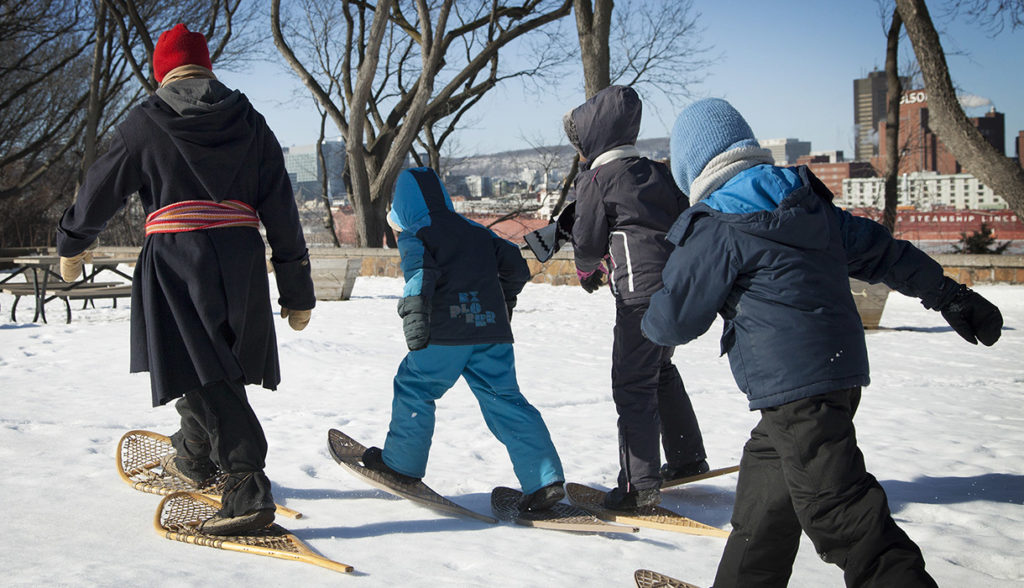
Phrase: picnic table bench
[87,291]
[43,290]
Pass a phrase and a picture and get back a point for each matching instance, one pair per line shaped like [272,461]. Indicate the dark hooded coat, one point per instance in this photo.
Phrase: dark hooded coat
[623,207]
[200,300]
[780,279]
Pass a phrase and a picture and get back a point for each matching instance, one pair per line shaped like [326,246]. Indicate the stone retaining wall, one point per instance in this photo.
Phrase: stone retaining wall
[968,269]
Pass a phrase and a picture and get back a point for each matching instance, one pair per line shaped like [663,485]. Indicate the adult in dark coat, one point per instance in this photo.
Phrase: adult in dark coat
[625,204]
[207,170]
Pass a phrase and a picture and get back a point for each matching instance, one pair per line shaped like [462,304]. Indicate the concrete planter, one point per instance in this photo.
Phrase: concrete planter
[333,277]
[870,300]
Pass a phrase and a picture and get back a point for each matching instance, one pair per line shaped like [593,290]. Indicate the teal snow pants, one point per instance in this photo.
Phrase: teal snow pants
[425,375]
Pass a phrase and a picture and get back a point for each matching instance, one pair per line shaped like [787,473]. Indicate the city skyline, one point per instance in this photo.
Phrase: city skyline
[790,72]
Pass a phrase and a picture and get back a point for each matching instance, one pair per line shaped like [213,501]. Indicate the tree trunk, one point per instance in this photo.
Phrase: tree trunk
[892,122]
[324,184]
[593,26]
[1004,176]
[95,108]
[367,226]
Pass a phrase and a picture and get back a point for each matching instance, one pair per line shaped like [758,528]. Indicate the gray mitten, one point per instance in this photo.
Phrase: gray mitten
[415,321]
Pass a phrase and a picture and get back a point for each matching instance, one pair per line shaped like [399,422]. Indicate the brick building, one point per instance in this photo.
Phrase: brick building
[1020,147]
[832,173]
[921,150]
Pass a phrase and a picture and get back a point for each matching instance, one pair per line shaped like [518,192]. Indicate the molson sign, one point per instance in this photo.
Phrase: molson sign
[914,97]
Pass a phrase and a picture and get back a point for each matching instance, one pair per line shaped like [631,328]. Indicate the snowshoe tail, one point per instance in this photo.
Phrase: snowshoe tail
[181,514]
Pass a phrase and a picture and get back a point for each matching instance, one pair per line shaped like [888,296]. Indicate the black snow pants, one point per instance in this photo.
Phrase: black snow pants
[651,401]
[217,423]
[802,470]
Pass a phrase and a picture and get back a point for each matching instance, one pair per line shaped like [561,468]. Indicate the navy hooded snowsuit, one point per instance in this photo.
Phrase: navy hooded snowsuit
[770,252]
[462,281]
[201,321]
[624,206]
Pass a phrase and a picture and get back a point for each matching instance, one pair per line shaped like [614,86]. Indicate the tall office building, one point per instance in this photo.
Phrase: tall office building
[786,151]
[868,111]
[304,170]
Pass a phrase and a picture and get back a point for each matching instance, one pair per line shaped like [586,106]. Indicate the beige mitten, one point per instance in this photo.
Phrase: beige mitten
[71,267]
[297,319]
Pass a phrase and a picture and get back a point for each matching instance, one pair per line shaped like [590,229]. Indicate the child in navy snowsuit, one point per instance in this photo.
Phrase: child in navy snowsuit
[625,204]
[462,281]
[764,247]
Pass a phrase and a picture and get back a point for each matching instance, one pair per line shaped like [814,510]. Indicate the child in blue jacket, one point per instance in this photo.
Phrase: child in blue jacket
[461,284]
[764,247]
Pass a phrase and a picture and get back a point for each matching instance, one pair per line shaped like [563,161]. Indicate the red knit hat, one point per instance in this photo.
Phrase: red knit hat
[178,47]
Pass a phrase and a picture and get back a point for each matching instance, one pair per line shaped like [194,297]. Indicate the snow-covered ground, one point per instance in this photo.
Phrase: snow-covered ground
[942,428]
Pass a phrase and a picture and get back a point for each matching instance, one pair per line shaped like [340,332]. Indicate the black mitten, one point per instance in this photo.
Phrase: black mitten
[415,321]
[591,281]
[972,317]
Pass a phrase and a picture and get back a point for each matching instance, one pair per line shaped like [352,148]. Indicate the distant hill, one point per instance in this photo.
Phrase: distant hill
[509,164]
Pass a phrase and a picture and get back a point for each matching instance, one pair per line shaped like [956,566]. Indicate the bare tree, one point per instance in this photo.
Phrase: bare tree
[894,90]
[547,156]
[658,48]
[993,14]
[325,196]
[1004,176]
[65,81]
[593,27]
[385,100]
[43,56]
[547,55]
[646,44]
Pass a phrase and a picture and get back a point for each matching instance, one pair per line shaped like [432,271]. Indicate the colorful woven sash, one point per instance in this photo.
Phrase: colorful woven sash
[198,215]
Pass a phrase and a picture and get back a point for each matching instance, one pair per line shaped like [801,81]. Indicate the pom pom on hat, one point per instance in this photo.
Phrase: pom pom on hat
[703,130]
[178,47]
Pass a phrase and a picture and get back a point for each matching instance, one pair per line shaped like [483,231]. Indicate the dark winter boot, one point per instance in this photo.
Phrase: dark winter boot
[542,499]
[244,524]
[373,459]
[195,472]
[669,472]
[619,499]
[246,506]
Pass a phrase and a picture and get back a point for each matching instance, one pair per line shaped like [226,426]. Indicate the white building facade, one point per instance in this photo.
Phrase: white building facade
[923,191]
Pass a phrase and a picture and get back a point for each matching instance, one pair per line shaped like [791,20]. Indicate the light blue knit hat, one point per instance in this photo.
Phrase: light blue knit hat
[705,129]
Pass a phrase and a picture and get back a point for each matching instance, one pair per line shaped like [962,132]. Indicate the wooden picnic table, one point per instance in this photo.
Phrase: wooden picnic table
[42,268]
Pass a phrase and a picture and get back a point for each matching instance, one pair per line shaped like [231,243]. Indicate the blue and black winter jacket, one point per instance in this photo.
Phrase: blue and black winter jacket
[772,254]
[466,277]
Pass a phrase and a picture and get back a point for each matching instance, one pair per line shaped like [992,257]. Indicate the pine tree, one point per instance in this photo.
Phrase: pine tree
[980,242]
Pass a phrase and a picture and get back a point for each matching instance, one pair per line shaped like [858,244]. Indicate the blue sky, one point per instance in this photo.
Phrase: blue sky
[787,66]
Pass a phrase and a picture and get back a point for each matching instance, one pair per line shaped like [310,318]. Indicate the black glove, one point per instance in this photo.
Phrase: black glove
[592,281]
[415,321]
[510,303]
[972,317]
